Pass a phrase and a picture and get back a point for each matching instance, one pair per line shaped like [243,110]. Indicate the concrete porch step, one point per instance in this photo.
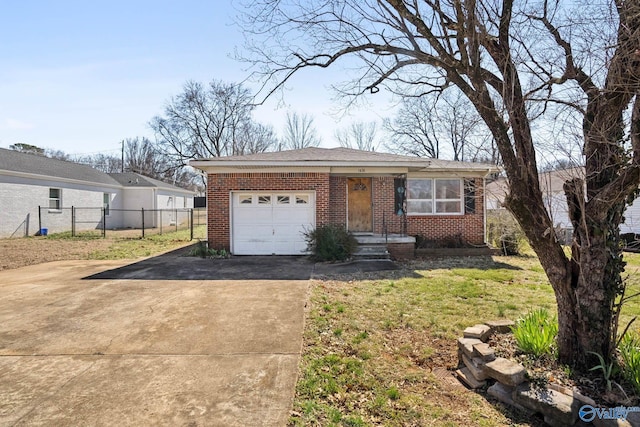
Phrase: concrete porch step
[374,246]
[371,252]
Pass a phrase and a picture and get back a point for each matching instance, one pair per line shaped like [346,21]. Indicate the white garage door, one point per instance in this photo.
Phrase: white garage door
[271,223]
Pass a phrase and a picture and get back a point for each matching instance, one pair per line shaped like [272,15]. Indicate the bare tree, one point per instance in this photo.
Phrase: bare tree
[205,121]
[256,138]
[103,162]
[512,60]
[27,148]
[358,135]
[438,126]
[299,132]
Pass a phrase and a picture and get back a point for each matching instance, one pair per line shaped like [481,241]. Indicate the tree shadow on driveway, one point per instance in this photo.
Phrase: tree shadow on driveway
[176,265]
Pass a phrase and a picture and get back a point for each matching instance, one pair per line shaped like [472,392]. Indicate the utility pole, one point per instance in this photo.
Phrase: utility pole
[122,164]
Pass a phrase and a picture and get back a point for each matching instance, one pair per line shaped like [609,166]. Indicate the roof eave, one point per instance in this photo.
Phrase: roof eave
[217,165]
[58,178]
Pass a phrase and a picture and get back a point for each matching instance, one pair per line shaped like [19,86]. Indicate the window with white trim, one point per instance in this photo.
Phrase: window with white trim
[245,199]
[283,200]
[264,200]
[55,199]
[434,196]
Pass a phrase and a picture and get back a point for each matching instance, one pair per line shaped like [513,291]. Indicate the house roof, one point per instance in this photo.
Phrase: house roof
[333,157]
[15,162]
[551,182]
[132,179]
[33,164]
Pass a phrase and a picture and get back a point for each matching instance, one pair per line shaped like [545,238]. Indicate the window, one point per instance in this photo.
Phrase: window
[302,199]
[245,199]
[106,202]
[283,200]
[264,200]
[434,196]
[55,199]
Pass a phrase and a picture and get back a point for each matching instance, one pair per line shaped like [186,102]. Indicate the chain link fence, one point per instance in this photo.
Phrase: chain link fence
[140,222]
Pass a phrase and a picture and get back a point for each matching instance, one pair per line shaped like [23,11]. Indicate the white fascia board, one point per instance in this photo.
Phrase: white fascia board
[461,173]
[58,179]
[325,166]
[213,169]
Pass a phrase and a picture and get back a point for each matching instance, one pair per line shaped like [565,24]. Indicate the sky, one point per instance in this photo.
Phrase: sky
[81,76]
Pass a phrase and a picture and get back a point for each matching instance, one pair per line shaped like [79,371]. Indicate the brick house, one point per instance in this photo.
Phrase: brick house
[262,203]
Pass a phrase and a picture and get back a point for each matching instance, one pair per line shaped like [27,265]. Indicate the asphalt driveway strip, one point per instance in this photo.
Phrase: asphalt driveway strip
[176,265]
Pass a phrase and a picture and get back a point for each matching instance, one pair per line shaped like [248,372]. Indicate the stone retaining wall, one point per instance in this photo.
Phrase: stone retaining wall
[507,381]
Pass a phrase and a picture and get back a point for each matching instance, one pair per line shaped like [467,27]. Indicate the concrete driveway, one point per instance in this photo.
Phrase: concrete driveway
[113,351]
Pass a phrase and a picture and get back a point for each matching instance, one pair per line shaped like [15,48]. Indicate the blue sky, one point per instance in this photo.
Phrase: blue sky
[80,76]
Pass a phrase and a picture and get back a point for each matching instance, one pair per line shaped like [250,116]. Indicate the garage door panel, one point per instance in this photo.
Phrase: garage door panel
[257,232]
[272,223]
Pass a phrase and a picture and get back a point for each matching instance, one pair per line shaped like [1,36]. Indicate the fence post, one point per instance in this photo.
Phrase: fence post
[73,221]
[175,215]
[142,223]
[39,218]
[160,215]
[104,223]
[191,221]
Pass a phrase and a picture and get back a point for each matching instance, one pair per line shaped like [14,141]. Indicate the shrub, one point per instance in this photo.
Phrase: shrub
[202,250]
[630,353]
[330,243]
[504,232]
[536,332]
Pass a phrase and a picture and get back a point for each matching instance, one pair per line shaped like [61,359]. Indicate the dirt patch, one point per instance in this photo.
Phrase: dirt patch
[16,253]
[119,244]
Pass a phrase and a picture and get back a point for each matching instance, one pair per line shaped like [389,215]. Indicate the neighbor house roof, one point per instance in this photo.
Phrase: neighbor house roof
[16,162]
[551,182]
[133,179]
[335,157]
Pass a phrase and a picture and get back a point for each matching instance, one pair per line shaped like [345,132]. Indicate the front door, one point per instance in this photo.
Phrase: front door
[359,205]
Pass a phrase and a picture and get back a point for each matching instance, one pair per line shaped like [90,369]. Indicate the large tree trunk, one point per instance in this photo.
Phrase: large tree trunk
[585,284]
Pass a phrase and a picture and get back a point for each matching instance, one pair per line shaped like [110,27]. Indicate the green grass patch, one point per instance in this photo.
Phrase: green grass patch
[371,344]
[130,248]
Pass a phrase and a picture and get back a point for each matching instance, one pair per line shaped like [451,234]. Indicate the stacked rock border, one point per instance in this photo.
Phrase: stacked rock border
[508,383]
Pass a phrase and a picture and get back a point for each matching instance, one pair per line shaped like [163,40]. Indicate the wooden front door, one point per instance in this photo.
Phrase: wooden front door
[359,202]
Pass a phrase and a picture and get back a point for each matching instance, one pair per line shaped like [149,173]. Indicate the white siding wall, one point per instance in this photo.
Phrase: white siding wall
[558,209]
[632,219]
[137,199]
[20,198]
[173,200]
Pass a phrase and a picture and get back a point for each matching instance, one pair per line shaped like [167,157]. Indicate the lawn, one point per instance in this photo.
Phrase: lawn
[375,348]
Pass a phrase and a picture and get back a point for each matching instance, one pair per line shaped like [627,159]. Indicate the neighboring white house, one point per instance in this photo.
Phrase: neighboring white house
[28,181]
[551,184]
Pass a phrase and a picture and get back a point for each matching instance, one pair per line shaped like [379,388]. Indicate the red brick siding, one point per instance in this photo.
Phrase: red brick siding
[221,185]
[338,200]
[401,251]
[384,215]
[469,226]
[331,205]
